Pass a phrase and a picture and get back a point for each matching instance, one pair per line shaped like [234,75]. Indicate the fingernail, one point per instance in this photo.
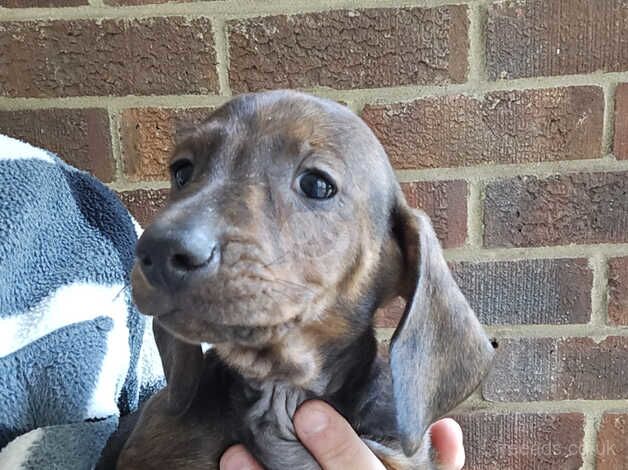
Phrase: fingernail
[237,461]
[313,421]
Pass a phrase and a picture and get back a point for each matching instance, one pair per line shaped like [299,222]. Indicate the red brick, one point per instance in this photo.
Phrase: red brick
[79,136]
[148,138]
[349,49]
[618,291]
[541,291]
[612,442]
[144,203]
[523,441]
[388,316]
[574,208]
[531,38]
[620,147]
[446,204]
[531,369]
[503,127]
[41,3]
[169,55]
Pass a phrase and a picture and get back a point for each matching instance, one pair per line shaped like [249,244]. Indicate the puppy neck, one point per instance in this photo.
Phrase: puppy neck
[346,370]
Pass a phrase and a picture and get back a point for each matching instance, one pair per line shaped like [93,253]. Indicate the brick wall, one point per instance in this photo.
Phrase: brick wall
[507,121]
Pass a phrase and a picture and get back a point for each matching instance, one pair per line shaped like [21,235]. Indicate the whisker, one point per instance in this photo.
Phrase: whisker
[124,287]
[294,284]
[276,260]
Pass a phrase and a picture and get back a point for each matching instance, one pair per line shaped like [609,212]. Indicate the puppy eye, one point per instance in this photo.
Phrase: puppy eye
[182,172]
[317,185]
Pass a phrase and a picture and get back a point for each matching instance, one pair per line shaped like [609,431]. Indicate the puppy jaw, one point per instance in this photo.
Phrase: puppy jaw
[299,358]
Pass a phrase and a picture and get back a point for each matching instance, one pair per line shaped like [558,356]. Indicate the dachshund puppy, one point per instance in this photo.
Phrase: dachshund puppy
[284,232]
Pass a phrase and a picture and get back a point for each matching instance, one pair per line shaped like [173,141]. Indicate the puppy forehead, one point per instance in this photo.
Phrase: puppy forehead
[295,120]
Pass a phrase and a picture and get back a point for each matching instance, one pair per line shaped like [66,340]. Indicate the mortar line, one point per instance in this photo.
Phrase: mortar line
[609,117]
[115,102]
[499,332]
[353,106]
[224,9]
[478,14]
[583,330]
[114,135]
[599,291]
[587,407]
[221,49]
[387,95]
[488,173]
[476,89]
[407,93]
[97,3]
[122,184]
[608,250]
[475,215]
[592,419]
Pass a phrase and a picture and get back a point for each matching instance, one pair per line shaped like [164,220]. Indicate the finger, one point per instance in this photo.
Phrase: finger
[331,440]
[447,442]
[238,458]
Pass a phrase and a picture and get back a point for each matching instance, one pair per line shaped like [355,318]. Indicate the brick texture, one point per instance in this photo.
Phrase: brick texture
[41,3]
[620,147]
[503,127]
[450,118]
[531,38]
[446,204]
[612,442]
[530,369]
[543,291]
[79,136]
[349,49]
[574,208]
[109,57]
[144,203]
[523,441]
[618,291]
[148,138]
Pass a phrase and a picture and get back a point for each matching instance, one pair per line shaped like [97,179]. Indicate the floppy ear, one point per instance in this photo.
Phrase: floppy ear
[439,352]
[183,365]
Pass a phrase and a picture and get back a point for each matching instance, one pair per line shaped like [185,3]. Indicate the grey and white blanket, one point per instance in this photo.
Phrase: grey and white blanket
[74,352]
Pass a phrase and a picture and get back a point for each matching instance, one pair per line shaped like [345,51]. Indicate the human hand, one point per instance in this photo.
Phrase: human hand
[336,446]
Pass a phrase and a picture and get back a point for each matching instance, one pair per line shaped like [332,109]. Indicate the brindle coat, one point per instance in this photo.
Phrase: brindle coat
[285,287]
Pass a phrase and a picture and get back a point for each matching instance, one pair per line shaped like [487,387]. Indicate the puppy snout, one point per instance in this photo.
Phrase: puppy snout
[168,256]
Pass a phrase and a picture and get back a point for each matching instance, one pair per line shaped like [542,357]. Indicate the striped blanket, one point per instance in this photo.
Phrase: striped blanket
[74,352]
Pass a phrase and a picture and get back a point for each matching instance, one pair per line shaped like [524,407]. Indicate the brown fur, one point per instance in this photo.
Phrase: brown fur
[288,295]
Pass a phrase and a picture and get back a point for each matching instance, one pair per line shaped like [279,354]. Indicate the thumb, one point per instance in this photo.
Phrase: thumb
[331,440]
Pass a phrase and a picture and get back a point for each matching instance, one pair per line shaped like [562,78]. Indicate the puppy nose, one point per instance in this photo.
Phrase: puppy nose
[167,256]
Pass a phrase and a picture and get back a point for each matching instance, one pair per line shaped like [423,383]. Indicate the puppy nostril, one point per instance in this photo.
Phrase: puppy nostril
[146,261]
[193,255]
[182,262]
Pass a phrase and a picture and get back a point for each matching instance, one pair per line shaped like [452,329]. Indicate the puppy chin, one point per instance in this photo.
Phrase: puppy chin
[191,330]
[149,300]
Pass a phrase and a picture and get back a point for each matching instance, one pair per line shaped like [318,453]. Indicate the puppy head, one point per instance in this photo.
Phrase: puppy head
[277,213]
[285,230]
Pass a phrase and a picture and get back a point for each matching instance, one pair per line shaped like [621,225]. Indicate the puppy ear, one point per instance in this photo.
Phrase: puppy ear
[183,366]
[439,352]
